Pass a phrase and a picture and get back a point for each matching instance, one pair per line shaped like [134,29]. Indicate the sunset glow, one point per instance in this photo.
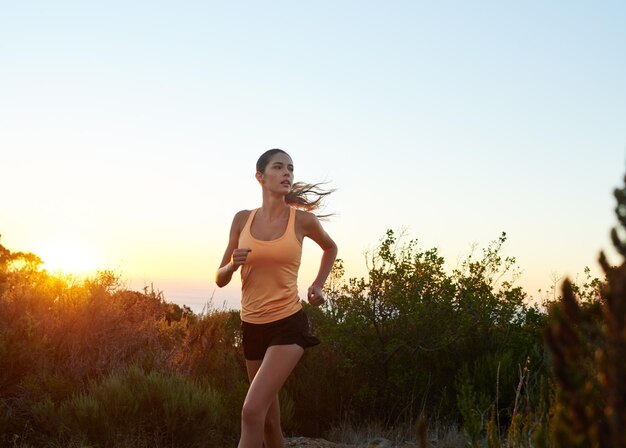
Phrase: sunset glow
[68,257]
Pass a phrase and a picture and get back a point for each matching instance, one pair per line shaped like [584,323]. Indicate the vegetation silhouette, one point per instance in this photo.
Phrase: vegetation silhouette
[588,343]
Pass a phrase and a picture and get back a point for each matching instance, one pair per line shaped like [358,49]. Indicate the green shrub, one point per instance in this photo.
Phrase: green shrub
[473,406]
[171,410]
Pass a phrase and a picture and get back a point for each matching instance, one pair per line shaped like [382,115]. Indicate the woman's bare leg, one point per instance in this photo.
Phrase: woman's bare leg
[260,416]
[273,434]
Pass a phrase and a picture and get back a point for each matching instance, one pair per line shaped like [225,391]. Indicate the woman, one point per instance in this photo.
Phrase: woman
[267,244]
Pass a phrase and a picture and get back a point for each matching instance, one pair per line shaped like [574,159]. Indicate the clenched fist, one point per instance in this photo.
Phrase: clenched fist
[315,295]
[239,257]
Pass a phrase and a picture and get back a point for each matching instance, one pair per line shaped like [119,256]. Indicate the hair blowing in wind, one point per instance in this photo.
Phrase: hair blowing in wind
[303,195]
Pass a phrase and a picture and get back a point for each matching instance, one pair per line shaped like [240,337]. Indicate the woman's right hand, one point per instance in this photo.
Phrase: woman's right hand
[239,257]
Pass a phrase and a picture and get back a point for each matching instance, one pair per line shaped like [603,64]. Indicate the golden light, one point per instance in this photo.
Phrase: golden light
[69,257]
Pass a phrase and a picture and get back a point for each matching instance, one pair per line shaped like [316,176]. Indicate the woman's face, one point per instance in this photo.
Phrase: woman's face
[278,174]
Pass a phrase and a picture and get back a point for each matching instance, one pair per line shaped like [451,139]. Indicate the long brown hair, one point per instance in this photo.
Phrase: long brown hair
[302,195]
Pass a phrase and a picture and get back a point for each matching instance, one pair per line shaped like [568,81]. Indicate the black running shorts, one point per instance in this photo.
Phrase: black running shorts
[292,329]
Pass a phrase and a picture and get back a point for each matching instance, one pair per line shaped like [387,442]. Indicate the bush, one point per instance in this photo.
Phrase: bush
[66,350]
[412,340]
[169,410]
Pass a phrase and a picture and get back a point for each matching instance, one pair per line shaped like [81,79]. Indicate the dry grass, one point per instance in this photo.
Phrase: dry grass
[378,435]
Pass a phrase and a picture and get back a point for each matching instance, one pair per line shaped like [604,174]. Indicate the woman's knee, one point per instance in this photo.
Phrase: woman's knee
[252,414]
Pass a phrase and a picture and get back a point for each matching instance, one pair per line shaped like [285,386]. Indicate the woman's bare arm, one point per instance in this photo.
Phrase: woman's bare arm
[312,228]
[233,255]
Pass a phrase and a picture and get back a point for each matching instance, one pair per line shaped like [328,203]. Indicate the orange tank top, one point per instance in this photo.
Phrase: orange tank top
[269,277]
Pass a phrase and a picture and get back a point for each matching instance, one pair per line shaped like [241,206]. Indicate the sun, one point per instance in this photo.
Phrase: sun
[68,257]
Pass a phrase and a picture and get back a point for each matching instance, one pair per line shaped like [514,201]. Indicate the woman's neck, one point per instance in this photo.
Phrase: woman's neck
[273,207]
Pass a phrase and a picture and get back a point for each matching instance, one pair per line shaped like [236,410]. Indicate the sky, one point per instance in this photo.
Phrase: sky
[129,131]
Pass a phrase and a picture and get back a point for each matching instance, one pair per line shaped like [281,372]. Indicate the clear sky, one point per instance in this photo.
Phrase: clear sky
[129,130]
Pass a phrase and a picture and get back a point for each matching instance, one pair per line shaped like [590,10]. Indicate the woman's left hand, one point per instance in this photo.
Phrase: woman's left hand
[315,295]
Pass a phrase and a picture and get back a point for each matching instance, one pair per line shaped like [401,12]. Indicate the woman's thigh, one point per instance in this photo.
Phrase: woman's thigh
[269,376]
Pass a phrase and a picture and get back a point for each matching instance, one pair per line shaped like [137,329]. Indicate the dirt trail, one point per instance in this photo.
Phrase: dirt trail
[303,442]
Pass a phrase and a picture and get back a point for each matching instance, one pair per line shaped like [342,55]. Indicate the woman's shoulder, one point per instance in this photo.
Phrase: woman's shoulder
[243,214]
[305,218]
[240,218]
[303,214]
